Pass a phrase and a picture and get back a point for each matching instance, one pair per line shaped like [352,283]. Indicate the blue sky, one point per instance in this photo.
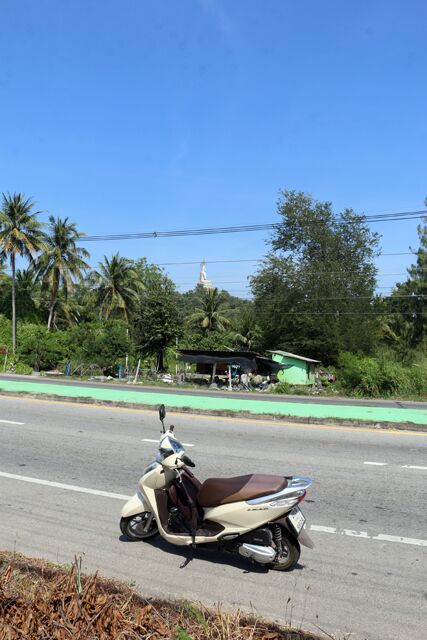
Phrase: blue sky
[137,116]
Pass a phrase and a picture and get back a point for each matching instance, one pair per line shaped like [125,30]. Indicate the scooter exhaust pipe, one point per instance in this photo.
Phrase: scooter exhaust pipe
[256,552]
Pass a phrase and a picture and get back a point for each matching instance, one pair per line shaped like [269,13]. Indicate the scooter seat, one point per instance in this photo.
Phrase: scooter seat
[218,491]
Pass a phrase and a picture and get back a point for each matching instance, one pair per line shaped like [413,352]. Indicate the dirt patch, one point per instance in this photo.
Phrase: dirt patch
[396,426]
[43,601]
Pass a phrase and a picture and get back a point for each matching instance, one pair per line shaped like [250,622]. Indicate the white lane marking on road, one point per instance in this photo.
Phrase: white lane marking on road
[318,527]
[412,466]
[381,537]
[11,422]
[377,464]
[186,444]
[68,487]
[385,538]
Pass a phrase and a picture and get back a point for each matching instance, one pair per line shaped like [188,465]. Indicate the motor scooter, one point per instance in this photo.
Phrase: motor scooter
[256,516]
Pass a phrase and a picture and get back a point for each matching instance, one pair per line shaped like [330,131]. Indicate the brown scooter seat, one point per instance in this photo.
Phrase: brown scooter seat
[217,491]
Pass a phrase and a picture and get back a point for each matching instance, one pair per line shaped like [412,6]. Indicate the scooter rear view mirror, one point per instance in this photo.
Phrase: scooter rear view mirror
[162,412]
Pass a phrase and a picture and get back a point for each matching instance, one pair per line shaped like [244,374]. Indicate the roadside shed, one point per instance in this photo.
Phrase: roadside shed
[300,370]
[218,362]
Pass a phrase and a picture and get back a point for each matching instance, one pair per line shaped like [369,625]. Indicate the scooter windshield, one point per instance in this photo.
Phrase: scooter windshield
[170,445]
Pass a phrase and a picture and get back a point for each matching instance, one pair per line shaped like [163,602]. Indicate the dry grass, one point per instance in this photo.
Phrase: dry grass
[42,601]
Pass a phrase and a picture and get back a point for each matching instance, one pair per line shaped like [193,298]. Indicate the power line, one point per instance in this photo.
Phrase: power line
[167,264]
[352,313]
[198,262]
[373,297]
[386,217]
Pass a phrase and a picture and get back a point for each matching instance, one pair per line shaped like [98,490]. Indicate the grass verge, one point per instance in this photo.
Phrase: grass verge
[40,600]
[224,413]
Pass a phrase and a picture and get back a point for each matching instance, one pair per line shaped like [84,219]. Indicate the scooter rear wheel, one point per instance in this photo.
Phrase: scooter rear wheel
[289,556]
[133,527]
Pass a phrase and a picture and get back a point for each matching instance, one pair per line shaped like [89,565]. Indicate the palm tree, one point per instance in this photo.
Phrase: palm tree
[249,332]
[27,296]
[67,313]
[20,235]
[62,262]
[208,316]
[117,286]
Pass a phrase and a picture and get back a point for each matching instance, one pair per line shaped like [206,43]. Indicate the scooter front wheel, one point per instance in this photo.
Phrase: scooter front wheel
[138,527]
[289,556]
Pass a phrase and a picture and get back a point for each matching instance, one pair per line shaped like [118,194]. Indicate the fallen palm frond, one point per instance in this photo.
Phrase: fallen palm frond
[39,600]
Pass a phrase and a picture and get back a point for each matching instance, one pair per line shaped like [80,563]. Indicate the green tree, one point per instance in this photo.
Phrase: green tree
[315,291]
[102,343]
[39,348]
[62,262]
[117,286]
[155,319]
[208,316]
[20,235]
[248,334]
[407,323]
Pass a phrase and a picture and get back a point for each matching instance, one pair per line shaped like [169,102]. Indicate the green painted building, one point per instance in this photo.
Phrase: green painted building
[299,370]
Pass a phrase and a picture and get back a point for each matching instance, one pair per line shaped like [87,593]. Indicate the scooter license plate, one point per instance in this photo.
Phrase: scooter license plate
[296,520]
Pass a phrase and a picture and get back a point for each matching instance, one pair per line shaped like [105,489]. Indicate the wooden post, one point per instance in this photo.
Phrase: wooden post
[213,372]
[137,371]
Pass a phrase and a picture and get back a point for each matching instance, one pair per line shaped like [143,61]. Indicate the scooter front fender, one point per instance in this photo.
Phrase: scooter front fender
[136,504]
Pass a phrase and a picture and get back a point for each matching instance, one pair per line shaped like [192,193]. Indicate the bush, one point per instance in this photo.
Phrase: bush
[5,332]
[22,368]
[381,377]
[104,343]
[40,348]
[281,387]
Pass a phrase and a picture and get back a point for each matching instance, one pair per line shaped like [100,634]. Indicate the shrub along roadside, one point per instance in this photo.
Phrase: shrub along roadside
[368,377]
[381,377]
[42,600]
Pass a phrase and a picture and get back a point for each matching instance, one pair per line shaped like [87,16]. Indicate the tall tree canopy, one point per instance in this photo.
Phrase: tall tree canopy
[406,327]
[208,316]
[116,285]
[314,291]
[61,263]
[155,319]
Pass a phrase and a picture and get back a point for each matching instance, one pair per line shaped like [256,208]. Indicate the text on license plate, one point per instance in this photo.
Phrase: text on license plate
[296,519]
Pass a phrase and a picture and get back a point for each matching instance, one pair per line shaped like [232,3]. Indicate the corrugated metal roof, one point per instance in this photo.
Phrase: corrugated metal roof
[248,360]
[292,355]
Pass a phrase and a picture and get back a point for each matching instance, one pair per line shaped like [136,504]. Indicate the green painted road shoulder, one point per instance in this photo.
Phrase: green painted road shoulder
[298,410]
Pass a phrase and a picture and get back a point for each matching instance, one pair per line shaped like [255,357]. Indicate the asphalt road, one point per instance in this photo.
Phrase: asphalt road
[366,576]
[409,404]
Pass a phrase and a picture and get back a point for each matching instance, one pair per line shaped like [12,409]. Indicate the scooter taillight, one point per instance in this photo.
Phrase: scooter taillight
[301,498]
[289,501]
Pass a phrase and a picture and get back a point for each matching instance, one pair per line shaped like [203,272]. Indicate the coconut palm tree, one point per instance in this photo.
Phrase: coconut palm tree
[249,332]
[20,235]
[28,294]
[117,286]
[208,316]
[62,262]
